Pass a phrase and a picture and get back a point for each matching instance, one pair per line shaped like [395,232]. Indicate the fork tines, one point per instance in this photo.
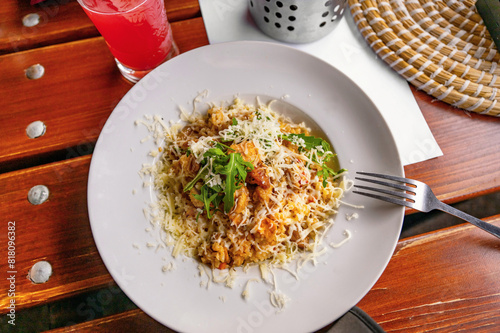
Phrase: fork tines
[398,183]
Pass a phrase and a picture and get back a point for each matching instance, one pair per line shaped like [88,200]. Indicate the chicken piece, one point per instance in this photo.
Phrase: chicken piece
[248,151]
[259,177]
[266,232]
[241,199]
[186,165]
[261,195]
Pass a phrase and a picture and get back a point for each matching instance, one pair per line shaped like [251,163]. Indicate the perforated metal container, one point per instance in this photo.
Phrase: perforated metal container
[297,21]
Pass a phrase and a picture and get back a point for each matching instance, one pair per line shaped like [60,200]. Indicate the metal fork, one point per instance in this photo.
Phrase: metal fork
[416,195]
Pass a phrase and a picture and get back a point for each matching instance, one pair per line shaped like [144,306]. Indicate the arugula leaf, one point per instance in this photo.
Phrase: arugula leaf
[242,167]
[309,142]
[235,172]
[222,146]
[326,172]
[214,153]
[230,171]
[208,196]
[232,166]
[201,174]
[306,142]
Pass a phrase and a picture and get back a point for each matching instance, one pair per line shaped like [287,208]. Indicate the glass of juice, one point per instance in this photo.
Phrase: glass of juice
[137,33]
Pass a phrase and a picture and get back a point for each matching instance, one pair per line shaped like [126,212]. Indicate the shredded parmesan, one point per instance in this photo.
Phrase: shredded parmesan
[347,235]
[280,213]
[246,292]
[278,299]
[169,267]
[352,216]
[264,272]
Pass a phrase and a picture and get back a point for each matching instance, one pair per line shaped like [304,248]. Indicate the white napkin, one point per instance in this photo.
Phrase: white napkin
[345,49]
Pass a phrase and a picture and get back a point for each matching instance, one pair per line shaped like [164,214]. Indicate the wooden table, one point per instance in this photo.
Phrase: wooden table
[443,281]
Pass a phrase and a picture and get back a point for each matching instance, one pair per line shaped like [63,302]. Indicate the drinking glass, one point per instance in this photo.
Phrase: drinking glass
[137,32]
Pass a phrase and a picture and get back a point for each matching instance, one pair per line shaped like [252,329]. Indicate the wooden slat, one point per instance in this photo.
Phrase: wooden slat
[445,281]
[57,231]
[463,153]
[470,164]
[440,282]
[453,284]
[178,10]
[62,21]
[130,321]
[80,123]
[80,88]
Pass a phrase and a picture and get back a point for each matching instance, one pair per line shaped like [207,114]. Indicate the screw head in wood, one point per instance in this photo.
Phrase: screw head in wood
[35,129]
[40,272]
[30,20]
[38,194]
[34,72]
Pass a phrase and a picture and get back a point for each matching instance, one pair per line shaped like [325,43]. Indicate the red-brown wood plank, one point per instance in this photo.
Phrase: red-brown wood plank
[463,260]
[80,123]
[470,164]
[62,21]
[129,321]
[74,98]
[80,88]
[441,282]
[464,153]
[57,231]
[445,281]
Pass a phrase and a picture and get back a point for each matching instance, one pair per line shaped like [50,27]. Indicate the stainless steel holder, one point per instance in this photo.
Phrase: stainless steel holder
[297,21]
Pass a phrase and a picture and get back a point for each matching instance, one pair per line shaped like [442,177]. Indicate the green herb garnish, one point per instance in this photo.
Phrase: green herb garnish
[232,171]
[323,149]
[306,142]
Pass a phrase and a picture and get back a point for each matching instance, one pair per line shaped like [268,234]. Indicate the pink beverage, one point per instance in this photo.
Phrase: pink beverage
[137,33]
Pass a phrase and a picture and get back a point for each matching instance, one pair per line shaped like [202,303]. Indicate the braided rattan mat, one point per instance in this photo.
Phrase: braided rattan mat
[441,47]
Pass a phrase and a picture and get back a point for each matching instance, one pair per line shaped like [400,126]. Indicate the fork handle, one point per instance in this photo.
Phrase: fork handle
[492,229]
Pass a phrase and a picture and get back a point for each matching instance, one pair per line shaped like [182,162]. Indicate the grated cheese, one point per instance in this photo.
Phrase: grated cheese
[298,204]
[169,267]
[347,235]
[278,299]
[246,292]
[264,271]
[352,216]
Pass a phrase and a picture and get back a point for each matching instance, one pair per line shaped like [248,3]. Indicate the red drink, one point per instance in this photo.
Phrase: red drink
[136,31]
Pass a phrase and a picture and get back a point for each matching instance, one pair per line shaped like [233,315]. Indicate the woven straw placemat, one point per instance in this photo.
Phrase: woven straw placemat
[440,47]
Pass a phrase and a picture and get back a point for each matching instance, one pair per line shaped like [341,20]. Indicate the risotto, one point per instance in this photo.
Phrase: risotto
[242,184]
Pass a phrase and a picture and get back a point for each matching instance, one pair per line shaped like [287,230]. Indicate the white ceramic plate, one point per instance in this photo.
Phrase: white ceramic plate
[116,196]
